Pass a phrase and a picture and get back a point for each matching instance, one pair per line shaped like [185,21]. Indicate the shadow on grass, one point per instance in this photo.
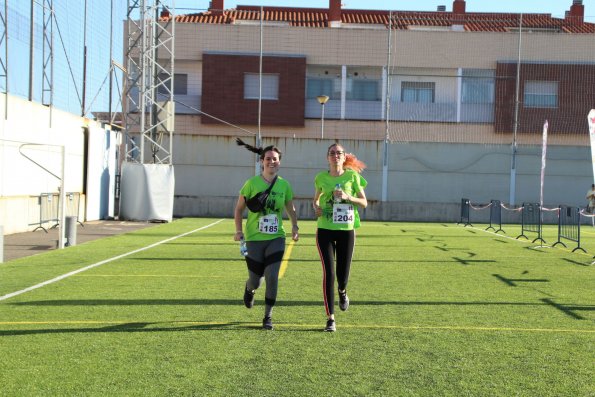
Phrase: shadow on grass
[569,309]
[139,327]
[239,302]
[513,282]
[577,262]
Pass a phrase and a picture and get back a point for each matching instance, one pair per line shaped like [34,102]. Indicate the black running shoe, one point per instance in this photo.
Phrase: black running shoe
[267,323]
[248,298]
[330,326]
[343,300]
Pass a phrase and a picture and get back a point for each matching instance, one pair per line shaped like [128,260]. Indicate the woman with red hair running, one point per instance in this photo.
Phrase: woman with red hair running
[339,192]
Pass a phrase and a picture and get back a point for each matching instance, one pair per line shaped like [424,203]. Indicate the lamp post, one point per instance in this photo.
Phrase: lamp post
[322,99]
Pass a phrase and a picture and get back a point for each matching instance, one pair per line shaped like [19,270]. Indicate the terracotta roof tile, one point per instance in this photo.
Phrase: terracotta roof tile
[318,18]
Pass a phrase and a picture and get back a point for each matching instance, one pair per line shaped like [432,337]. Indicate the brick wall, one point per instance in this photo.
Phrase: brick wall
[576,96]
[223,90]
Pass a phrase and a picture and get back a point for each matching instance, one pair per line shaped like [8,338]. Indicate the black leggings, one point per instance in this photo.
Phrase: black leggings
[333,243]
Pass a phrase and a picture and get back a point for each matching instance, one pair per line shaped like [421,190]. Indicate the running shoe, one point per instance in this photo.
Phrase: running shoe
[267,323]
[248,298]
[330,326]
[343,300]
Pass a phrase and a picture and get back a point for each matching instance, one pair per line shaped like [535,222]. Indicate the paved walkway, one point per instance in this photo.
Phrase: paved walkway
[20,245]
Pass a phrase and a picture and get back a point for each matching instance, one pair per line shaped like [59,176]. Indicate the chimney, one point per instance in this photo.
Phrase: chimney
[441,9]
[216,7]
[165,14]
[458,7]
[334,13]
[577,12]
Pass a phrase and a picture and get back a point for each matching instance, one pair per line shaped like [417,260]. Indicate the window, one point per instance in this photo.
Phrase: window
[270,86]
[541,94]
[363,90]
[417,92]
[478,86]
[316,87]
[180,84]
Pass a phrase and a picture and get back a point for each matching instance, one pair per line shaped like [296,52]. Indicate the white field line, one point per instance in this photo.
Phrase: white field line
[72,273]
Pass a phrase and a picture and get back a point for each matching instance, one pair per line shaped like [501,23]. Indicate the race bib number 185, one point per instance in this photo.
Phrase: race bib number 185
[268,224]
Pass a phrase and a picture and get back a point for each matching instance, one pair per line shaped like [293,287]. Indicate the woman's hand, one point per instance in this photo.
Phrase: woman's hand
[238,236]
[295,234]
[317,210]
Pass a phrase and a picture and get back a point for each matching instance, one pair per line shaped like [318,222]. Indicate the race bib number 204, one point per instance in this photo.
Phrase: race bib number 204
[343,213]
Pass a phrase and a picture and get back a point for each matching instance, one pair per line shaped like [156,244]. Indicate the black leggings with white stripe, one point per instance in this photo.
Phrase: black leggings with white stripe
[333,244]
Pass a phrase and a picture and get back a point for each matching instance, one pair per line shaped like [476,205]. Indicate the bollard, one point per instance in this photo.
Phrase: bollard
[1,243]
[70,231]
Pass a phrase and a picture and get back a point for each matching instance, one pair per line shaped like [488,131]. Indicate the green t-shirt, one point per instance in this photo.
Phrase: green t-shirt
[268,224]
[351,183]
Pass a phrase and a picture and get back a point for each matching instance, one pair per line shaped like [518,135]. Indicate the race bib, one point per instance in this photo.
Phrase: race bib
[268,224]
[343,213]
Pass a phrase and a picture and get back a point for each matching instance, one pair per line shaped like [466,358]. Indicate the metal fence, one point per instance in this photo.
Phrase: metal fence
[49,209]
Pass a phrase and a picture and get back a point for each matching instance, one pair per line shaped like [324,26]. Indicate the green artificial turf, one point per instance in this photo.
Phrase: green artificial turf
[436,310]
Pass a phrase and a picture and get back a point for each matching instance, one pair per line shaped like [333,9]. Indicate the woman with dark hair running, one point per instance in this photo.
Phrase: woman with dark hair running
[264,233]
[339,191]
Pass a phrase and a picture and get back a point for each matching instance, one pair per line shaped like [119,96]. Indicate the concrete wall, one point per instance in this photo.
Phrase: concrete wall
[426,181]
[31,138]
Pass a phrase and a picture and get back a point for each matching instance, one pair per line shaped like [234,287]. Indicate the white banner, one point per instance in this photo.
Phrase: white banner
[543,152]
[591,119]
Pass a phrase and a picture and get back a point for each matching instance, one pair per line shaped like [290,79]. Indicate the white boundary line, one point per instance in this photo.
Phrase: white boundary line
[12,294]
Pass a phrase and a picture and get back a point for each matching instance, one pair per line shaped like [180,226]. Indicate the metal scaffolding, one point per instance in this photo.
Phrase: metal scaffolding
[47,95]
[4,52]
[149,105]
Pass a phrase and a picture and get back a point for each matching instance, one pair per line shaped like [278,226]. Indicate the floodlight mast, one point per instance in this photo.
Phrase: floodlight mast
[149,104]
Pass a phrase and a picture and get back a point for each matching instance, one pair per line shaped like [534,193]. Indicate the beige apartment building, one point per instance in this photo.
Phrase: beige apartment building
[454,90]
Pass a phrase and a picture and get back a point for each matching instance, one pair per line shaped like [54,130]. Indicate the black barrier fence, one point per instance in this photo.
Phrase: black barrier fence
[495,216]
[465,216]
[531,221]
[569,226]
[569,220]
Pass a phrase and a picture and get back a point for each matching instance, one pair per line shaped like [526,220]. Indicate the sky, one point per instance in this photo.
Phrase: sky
[70,34]
[555,7]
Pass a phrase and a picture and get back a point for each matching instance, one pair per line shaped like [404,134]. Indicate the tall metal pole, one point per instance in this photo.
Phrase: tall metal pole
[512,197]
[84,94]
[5,65]
[111,68]
[322,100]
[322,123]
[62,207]
[387,124]
[259,136]
[31,45]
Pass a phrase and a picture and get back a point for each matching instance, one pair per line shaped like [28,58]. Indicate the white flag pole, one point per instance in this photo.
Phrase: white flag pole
[543,153]
[591,119]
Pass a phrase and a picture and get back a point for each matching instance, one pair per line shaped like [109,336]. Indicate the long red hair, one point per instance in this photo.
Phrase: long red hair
[351,161]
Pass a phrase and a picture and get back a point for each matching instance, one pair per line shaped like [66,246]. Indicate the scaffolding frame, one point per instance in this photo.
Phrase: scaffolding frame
[47,90]
[149,104]
[4,54]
